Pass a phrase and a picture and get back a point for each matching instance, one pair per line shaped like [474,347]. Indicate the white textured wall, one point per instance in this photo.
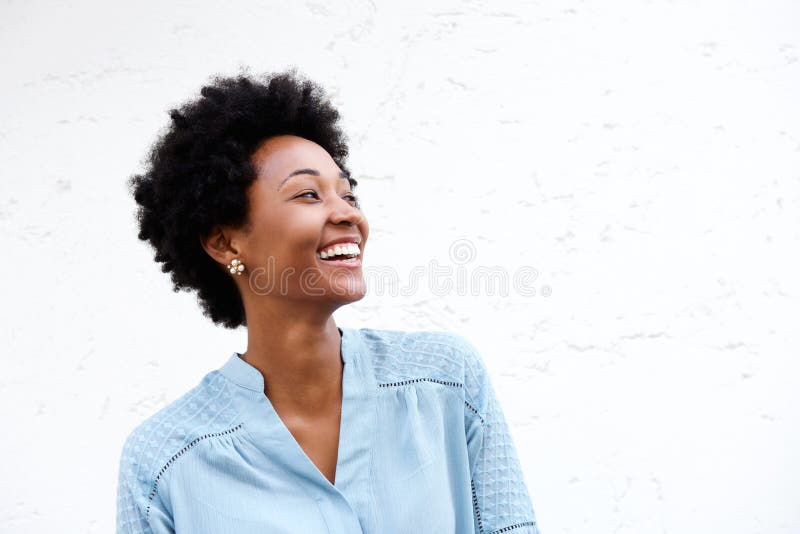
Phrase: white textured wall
[643,157]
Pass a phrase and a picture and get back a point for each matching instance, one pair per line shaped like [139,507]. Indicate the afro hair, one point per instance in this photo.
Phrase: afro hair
[198,172]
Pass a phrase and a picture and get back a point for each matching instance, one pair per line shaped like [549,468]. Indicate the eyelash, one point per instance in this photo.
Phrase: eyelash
[354,198]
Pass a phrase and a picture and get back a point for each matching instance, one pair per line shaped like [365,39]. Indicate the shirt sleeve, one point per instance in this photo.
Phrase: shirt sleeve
[137,511]
[500,498]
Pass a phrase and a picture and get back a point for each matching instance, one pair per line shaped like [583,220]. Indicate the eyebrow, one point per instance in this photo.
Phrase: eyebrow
[342,174]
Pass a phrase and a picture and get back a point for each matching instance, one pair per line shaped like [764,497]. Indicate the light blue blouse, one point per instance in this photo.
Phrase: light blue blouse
[423,448]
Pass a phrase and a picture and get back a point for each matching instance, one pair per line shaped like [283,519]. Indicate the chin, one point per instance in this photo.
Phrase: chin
[346,293]
[343,285]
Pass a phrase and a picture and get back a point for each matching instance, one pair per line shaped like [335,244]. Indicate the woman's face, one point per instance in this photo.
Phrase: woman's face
[300,203]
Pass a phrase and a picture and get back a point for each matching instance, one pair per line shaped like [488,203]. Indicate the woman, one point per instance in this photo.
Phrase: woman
[247,200]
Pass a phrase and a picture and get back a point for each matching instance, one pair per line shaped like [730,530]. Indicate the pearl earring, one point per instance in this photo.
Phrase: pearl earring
[236,267]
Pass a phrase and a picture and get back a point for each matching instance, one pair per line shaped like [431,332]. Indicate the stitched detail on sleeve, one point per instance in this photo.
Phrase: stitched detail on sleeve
[475,506]
[475,411]
[177,455]
[518,525]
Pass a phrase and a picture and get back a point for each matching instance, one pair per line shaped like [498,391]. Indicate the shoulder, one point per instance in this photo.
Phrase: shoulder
[202,412]
[399,355]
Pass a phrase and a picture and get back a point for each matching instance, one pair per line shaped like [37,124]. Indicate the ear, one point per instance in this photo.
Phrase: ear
[219,246]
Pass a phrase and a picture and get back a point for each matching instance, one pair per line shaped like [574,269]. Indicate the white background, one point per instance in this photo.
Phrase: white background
[643,157]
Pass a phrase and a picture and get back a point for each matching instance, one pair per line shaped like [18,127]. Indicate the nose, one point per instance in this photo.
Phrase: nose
[346,213]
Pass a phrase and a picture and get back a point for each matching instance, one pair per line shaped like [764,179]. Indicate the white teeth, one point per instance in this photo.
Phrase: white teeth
[346,249]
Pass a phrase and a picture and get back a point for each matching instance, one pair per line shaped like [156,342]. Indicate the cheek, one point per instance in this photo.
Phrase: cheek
[289,236]
[296,253]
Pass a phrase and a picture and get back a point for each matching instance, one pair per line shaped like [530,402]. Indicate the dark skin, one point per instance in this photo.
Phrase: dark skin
[292,338]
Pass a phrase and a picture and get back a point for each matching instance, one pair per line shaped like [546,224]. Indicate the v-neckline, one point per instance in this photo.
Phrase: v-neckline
[276,432]
[267,433]
[346,381]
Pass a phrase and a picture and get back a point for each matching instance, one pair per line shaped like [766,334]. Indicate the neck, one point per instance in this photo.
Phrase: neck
[297,350]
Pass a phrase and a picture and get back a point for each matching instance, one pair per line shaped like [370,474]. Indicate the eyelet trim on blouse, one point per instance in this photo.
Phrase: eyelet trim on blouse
[512,527]
[191,444]
[413,380]
[437,381]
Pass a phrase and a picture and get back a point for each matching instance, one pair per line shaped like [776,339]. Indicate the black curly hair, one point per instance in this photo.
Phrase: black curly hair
[198,172]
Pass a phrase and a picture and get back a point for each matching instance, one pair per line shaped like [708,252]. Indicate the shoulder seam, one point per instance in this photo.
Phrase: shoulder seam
[413,380]
[195,441]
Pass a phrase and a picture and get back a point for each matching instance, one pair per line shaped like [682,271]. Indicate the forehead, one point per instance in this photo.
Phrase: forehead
[278,156]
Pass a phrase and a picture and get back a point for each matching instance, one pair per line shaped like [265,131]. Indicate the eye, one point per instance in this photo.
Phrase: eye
[303,195]
[353,199]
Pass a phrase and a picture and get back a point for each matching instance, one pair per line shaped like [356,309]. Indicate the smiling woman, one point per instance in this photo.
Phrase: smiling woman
[315,428]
